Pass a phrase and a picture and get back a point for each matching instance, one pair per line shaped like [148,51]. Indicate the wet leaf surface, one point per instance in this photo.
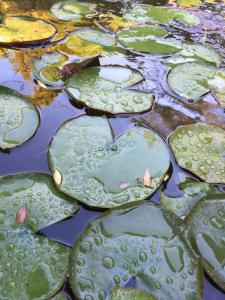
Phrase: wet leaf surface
[100,165]
[130,294]
[106,89]
[136,241]
[199,148]
[19,119]
[206,230]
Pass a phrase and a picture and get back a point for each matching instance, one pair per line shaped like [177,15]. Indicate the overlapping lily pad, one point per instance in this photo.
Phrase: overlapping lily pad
[196,52]
[59,296]
[21,30]
[130,294]
[148,39]
[138,242]
[73,10]
[95,35]
[161,14]
[206,224]
[200,148]
[193,191]
[19,118]
[217,84]
[96,170]
[190,80]
[47,68]
[32,267]
[106,88]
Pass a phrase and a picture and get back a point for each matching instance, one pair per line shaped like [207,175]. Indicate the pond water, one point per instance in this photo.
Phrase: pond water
[55,107]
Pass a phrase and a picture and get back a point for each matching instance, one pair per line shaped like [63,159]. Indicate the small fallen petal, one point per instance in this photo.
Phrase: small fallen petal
[147,178]
[57,177]
[21,215]
[124,185]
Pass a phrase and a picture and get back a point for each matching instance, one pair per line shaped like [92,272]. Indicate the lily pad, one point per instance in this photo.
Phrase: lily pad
[106,88]
[60,296]
[95,35]
[25,30]
[139,242]
[47,68]
[161,14]
[45,204]
[19,118]
[193,191]
[130,294]
[206,224]
[97,170]
[73,10]
[200,148]
[196,52]
[32,267]
[190,80]
[217,84]
[148,39]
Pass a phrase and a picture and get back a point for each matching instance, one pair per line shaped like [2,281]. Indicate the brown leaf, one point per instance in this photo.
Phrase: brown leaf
[124,185]
[147,178]
[76,67]
[21,215]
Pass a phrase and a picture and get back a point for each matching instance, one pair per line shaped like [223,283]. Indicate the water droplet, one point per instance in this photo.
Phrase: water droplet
[169,279]
[98,240]
[152,270]
[116,279]
[80,262]
[181,147]
[205,138]
[102,295]
[217,222]
[123,248]
[108,262]
[157,285]
[143,256]
[174,258]
[85,247]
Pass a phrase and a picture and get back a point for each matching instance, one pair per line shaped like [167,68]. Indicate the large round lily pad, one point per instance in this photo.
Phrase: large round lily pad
[73,10]
[190,80]
[106,88]
[193,191]
[148,39]
[164,15]
[95,35]
[47,68]
[206,224]
[200,148]
[19,118]
[137,242]
[32,267]
[97,170]
[217,84]
[130,294]
[25,30]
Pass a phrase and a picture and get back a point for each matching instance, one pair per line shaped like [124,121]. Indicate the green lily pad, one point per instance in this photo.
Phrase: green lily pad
[196,53]
[106,88]
[95,35]
[134,241]
[130,294]
[161,14]
[97,170]
[47,68]
[60,296]
[20,30]
[73,10]
[19,118]
[206,224]
[193,192]
[148,39]
[190,80]
[45,204]
[217,84]
[32,267]
[200,148]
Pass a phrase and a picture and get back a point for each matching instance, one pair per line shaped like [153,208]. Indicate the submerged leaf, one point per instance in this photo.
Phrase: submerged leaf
[93,165]
[24,30]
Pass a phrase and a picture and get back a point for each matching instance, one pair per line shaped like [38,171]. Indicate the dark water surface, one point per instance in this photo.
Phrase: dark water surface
[55,108]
